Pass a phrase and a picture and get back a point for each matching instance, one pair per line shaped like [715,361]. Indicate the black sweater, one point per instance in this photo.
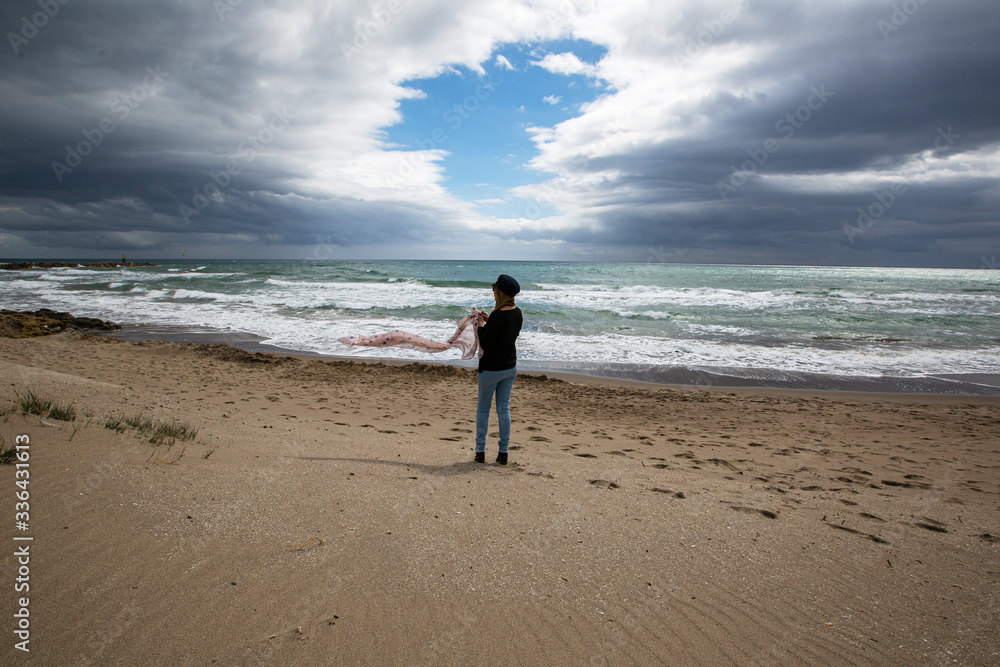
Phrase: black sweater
[497,337]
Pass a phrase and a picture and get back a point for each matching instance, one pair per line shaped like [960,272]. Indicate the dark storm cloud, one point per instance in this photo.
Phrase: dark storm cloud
[165,118]
[862,90]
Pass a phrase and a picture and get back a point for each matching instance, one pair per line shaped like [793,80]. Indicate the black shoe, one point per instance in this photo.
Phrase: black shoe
[480,457]
[502,458]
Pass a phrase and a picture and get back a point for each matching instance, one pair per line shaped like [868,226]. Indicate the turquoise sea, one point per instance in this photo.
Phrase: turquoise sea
[909,329]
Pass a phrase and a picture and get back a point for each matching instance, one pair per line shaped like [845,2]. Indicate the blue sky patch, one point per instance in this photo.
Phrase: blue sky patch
[481,120]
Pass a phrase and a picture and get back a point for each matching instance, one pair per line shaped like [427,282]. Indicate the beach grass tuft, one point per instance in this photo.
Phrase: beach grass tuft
[157,431]
[7,455]
[32,403]
[172,431]
[64,413]
[139,424]
[114,423]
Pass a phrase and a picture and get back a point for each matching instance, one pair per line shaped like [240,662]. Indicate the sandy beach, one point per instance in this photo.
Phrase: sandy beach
[329,512]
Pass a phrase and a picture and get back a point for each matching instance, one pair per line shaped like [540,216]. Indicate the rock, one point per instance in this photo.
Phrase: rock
[43,322]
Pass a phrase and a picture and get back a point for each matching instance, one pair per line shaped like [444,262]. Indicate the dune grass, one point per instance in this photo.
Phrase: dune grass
[155,430]
[32,403]
[6,409]
[7,455]
[64,413]
[173,431]
[114,423]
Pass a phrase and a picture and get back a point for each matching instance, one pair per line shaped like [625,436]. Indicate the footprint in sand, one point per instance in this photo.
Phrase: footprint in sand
[932,524]
[675,494]
[753,510]
[722,462]
[848,529]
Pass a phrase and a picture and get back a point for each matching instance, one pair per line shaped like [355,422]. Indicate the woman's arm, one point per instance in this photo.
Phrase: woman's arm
[486,332]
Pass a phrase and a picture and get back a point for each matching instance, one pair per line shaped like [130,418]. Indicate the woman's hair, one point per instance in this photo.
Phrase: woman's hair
[502,300]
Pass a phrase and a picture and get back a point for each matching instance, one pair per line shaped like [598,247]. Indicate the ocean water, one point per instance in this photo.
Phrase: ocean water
[638,320]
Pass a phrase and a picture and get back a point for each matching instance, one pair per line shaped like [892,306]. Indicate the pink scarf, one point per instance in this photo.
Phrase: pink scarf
[465,338]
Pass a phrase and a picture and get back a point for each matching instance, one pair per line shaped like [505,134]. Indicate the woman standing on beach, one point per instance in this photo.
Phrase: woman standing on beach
[498,365]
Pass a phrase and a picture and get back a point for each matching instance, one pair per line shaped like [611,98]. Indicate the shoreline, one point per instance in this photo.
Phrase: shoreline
[720,379]
[710,330]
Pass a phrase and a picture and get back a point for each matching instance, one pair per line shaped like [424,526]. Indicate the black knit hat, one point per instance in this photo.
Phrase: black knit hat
[507,285]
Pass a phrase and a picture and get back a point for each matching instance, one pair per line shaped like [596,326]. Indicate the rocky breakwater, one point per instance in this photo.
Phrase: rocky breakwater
[43,322]
[20,266]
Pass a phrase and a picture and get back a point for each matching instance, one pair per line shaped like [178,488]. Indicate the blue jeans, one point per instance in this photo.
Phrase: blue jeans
[490,382]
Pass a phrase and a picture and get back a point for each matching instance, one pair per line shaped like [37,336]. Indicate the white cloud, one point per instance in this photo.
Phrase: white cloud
[552,99]
[918,169]
[565,63]
[502,62]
